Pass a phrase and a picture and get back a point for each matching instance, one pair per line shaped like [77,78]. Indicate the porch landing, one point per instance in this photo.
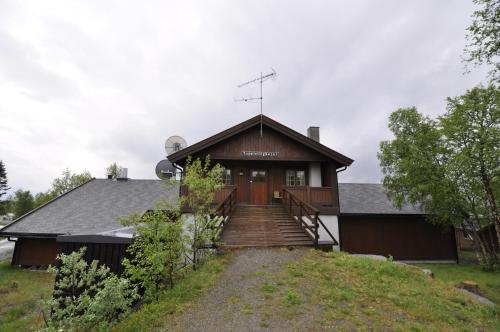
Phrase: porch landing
[263,226]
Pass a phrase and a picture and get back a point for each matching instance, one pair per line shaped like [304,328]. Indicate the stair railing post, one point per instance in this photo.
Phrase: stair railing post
[300,214]
[316,235]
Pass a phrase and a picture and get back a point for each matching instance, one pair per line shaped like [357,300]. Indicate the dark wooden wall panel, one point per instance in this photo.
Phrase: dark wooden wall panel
[35,251]
[271,141]
[403,237]
[110,254]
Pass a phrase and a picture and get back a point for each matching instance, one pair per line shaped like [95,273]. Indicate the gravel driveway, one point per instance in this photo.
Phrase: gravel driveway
[238,302]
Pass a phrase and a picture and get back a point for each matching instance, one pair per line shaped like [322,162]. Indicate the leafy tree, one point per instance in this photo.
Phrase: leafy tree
[87,297]
[43,197]
[201,181]
[471,127]
[69,181]
[6,206]
[114,170]
[23,202]
[449,166]
[157,250]
[3,180]
[483,36]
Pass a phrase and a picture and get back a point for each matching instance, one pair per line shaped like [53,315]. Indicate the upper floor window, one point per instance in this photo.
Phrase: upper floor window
[226,177]
[295,178]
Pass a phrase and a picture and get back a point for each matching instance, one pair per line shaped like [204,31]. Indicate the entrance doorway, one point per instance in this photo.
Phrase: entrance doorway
[258,186]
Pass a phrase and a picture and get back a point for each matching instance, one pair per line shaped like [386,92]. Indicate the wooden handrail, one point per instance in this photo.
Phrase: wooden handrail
[225,209]
[304,209]
[292,202]
[312,208]
[335,243]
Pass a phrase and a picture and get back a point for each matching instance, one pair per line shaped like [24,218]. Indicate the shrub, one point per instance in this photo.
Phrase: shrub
[157,251]
[87,297]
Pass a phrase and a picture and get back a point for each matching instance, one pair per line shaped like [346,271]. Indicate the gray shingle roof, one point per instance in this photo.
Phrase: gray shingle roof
[94,207]
[369,198]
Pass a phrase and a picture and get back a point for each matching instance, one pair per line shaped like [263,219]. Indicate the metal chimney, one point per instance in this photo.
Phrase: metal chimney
[313,133]
[123,174]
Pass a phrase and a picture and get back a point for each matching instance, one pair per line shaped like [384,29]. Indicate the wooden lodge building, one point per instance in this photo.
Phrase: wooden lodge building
[280,189]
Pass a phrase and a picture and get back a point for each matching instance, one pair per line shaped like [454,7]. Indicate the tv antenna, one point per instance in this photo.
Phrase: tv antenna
[260,80]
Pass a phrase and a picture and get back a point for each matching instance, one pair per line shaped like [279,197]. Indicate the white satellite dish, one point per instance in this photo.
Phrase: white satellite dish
[174,144]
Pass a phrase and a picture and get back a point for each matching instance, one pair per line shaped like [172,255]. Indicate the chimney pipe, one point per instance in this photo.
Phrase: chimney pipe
[123,174]
[313,133]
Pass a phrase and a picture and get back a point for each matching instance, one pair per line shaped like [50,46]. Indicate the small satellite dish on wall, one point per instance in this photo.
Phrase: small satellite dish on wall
[164,169]
[174,144]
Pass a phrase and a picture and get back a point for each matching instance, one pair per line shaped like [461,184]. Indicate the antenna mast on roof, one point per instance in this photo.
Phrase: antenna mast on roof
[260,80]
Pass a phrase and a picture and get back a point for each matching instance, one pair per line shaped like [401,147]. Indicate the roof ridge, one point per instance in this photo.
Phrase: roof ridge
[45,204]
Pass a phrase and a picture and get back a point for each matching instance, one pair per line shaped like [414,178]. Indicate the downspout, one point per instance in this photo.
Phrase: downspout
[339,217]
[180,170]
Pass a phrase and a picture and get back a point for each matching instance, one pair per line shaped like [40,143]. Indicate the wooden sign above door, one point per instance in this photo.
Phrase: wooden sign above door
[260,153]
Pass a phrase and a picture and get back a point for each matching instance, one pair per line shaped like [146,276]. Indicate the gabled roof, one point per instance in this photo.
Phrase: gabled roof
[223,135]
[369,198]
[92,208]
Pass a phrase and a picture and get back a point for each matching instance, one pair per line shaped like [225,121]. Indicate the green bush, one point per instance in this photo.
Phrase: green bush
[87,297]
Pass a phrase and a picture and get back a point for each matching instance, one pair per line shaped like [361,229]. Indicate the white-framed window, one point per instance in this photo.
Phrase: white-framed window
[226,177]
[295,178]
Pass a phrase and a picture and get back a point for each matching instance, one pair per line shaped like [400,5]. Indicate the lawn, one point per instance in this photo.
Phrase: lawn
[454,274]
[190,286]
[330,291]
[20,294]
[343,292]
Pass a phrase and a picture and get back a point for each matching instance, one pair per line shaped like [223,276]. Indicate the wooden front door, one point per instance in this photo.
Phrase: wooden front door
[258,186]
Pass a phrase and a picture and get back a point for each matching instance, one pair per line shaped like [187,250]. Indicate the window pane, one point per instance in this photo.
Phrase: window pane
[290,178]
[226,177]
[300,179]
[258,176]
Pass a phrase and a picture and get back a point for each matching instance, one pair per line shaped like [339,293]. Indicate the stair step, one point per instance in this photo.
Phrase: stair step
[263,226]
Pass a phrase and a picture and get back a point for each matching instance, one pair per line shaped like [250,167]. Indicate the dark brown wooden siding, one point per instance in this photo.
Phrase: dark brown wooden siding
[403,237]
[33,251]
[325,199]
[271,141]
[109,254]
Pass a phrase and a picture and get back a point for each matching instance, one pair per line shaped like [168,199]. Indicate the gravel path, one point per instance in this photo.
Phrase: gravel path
[238,303]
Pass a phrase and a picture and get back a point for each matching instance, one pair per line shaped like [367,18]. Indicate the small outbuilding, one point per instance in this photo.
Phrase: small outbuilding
[370,223]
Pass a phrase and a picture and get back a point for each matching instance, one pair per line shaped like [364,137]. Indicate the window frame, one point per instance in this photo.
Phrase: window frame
[295,177]
[226,177]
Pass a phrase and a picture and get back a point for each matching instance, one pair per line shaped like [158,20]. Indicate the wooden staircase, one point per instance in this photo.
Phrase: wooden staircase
[262,226]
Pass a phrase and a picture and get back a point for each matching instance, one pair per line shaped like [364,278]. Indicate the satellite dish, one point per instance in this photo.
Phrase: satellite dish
[164,169]
[174,144]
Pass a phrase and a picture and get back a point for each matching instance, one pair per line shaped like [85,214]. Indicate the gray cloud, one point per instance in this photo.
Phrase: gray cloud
[83,84]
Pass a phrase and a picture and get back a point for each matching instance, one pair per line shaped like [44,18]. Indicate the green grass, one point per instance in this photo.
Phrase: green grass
[21,292]
[152,316]
[353,292]
[454,274]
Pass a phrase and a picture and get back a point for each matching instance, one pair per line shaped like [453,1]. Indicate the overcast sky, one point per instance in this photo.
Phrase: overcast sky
[85,84]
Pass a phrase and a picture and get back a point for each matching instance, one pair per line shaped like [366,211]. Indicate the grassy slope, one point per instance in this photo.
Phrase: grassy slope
[351,292]
[341,292]
[20,293]
[152,316]
[452,274]
[344,292]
